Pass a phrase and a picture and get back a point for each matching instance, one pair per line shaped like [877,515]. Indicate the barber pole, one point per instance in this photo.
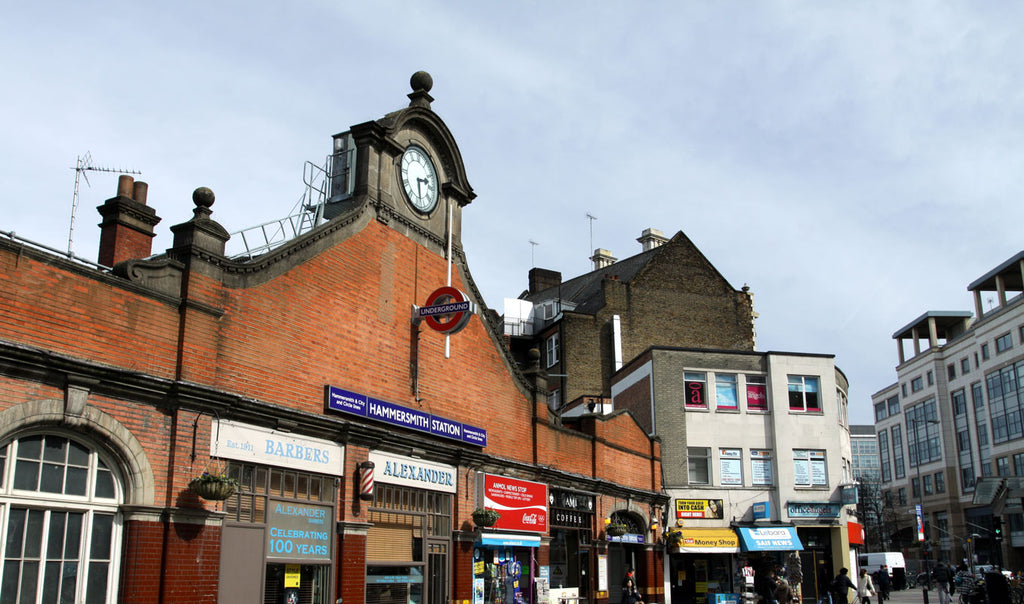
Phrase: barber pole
[366,481]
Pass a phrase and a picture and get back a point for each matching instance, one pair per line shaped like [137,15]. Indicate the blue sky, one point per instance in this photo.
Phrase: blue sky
[855,164]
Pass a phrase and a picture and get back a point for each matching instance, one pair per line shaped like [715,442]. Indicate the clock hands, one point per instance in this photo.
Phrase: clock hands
[421,181]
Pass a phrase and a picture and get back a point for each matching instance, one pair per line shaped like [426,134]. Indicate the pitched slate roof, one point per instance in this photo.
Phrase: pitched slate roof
[585,291]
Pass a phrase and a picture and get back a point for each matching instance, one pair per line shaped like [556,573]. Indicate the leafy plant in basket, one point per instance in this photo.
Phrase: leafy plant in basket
[616,529]
[213,487]
[485,517]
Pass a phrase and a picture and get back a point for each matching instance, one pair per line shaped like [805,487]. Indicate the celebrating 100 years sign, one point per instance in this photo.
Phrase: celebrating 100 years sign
[298,530]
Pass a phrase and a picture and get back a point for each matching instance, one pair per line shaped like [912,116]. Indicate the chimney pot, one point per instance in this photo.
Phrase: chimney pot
[126,230]
[140,191]
[124,186]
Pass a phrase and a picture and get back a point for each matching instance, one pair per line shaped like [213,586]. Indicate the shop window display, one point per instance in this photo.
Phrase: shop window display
[296,570]
[407,546]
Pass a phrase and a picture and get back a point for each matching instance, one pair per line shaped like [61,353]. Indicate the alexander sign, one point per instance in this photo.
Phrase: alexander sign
[412,472]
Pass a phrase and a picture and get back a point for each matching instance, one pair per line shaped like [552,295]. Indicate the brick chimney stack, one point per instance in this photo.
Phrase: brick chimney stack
[542,278]
[126,231]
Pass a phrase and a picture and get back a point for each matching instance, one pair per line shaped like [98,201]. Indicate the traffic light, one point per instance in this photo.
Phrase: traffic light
[997,527]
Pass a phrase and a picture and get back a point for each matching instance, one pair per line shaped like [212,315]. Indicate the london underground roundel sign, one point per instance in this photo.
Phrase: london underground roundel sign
[447,310]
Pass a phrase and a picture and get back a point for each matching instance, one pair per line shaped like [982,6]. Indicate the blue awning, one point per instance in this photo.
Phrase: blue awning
[510,540]
[769,539]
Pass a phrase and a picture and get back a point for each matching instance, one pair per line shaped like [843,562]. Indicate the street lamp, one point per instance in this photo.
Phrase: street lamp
[920,489]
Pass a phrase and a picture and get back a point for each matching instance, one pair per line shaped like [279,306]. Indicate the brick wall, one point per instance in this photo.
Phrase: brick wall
[177,560]
[341,317]
[678,299]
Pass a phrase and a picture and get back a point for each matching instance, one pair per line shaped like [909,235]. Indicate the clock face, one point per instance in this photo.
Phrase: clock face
[419,179]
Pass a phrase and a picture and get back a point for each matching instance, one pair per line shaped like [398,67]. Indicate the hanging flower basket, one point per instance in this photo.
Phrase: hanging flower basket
[484,517]
[213,487]
[616,529]
[674,538]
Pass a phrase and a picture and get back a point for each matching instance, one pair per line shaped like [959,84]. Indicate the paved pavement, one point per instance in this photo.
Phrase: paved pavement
[913,596]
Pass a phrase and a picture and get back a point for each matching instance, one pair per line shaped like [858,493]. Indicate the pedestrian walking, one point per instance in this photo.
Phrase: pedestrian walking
[865,587]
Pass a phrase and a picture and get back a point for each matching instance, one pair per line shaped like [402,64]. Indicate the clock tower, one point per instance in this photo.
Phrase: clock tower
[407,169]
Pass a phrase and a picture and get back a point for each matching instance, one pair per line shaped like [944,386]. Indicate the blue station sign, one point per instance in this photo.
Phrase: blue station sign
[362,405]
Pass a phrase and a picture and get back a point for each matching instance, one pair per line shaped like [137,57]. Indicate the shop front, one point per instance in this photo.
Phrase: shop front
[572,521]
[409,541]
[769,548]
[702,563]
[822,537]
[505,563]
[279,524]
[626,551]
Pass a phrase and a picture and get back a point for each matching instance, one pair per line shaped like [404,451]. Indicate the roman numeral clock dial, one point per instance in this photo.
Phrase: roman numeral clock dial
[419,179]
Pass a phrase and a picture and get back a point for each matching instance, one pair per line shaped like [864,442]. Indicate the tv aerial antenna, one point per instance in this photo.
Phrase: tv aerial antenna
[533,246]
[591,218]
[82,167]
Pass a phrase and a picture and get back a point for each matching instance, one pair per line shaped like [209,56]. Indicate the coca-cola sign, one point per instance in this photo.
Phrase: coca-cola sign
[523,505]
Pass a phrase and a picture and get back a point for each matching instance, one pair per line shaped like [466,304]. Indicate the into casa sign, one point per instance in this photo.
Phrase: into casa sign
[447,310]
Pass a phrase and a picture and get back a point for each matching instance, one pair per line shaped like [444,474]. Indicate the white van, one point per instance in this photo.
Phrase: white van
[873,562]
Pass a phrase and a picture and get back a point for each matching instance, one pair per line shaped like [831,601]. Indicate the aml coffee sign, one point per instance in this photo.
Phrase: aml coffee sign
[522,504]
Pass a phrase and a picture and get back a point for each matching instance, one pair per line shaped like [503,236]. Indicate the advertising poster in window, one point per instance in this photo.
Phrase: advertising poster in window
[695,395]
[760,467]
[299,531]
[699,508]
[802,472]
[523,505]
[725,391]
[819,474]
[730,465]
[757,397]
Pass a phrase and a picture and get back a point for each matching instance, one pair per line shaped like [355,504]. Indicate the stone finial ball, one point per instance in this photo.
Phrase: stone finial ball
[533,354]
[202,197]
[421,80]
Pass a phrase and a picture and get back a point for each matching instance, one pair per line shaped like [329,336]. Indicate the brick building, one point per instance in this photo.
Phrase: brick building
[362,433]
[756,445]
[669,294]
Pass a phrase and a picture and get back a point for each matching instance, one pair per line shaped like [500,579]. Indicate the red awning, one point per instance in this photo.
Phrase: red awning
[856,532]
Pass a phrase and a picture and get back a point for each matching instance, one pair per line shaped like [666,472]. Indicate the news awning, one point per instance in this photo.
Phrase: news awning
[770,539]
[510,540]
[708,541]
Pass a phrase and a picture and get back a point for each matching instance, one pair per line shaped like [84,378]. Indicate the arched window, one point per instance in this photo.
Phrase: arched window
[59,522]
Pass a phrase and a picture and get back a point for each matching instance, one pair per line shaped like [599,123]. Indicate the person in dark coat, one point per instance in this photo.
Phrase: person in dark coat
[630,591]
[765,584]
[883,583]
[840,587]
[996,586]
